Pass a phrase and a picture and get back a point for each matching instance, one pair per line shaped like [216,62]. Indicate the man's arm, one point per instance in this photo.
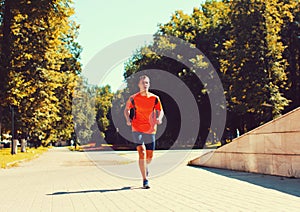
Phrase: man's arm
[160,116]
[126,114]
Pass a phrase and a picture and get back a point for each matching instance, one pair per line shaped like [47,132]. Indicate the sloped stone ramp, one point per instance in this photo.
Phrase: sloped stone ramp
[273,148]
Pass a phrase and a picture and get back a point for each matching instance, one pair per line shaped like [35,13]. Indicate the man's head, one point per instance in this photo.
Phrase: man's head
[144,83]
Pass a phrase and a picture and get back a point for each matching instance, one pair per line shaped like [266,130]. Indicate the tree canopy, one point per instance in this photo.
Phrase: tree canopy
[39,67]
[254,47]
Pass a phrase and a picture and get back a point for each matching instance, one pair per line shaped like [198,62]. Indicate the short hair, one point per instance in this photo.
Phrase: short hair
[144,77]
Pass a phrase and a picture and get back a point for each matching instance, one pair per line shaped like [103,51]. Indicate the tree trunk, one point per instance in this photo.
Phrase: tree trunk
[15,143]
[23,145]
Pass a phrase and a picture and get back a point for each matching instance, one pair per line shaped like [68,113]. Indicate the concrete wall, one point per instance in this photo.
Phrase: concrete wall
[273,148]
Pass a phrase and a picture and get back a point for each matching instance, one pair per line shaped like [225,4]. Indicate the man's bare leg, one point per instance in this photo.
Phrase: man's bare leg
[142,160]
[149,156]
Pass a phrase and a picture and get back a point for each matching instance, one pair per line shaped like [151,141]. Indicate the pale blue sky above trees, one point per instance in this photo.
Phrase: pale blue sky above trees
[105,22]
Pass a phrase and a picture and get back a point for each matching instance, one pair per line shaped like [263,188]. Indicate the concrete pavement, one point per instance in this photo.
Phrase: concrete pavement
[61,180]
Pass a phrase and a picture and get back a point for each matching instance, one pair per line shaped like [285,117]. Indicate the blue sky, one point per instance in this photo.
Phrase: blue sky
[105,22]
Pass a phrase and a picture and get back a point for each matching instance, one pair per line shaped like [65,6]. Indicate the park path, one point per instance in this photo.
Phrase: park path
[61,180]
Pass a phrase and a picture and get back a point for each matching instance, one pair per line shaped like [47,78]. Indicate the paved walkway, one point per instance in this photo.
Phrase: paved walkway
[61,180]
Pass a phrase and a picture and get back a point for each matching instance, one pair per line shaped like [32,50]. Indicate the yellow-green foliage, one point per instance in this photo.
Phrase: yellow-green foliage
[7,160]
[41,66]
[254,47]
[78,148]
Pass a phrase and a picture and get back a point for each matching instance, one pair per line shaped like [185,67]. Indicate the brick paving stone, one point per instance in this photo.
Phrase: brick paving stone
[61,180]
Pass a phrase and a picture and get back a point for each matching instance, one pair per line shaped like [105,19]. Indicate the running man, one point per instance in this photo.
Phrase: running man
[148,113]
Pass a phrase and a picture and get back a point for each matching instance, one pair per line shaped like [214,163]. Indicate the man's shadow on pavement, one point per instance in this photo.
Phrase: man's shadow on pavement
[282,184]
[95,191]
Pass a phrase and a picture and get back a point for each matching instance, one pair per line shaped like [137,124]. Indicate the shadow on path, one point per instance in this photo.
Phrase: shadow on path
[94,191]
[283,184]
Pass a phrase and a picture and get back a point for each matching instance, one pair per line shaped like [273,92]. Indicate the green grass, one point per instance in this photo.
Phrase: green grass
[78,148]
[210,145]
[7,160]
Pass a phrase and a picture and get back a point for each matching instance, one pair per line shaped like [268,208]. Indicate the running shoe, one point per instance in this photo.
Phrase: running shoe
[146,184]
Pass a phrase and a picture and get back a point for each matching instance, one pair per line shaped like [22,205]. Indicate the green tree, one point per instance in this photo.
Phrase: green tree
[250,43]
[291,38]
[70,70]
[83,111]
[203,29]
[103,103]
[91,111]
[5,48]
[253,58]
[43,62]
